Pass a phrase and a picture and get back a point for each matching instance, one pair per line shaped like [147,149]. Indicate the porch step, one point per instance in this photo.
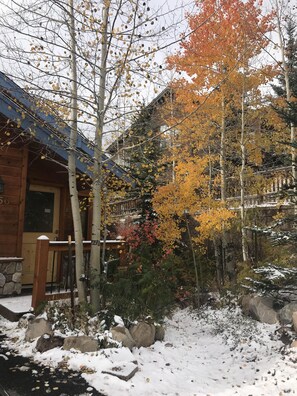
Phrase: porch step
[13,308]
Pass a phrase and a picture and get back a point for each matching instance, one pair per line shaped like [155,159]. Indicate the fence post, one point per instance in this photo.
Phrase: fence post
[40,270]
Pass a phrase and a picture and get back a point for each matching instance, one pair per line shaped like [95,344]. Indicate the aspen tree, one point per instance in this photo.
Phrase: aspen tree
[110,45]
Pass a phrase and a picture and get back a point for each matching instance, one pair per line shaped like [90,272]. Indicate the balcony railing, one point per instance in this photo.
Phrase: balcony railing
[43,247]
[271,183]
[127,207]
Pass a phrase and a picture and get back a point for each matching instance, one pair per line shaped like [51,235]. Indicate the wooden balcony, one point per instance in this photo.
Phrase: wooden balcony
[126,208]
[272,181]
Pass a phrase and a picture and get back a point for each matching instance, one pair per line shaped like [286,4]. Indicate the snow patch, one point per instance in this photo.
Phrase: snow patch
[215,352]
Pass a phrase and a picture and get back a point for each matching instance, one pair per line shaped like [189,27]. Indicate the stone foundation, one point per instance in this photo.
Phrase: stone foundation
[10,275]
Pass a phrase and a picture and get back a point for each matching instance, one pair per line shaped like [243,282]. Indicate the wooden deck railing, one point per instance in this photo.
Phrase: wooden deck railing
[274,180]
[127,207]
[43,247]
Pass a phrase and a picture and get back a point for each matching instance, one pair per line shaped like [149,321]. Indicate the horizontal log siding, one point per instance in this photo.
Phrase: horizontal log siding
[12,173]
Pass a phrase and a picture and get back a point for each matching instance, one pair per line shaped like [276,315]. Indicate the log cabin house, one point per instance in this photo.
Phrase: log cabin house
[34,195]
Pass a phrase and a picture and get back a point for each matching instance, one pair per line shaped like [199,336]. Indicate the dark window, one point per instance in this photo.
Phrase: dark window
[39,212]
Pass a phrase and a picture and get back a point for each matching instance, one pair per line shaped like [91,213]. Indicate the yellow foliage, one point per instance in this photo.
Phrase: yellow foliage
[279,216]
[207,109]
[213,222]
[168,232]
[189,193]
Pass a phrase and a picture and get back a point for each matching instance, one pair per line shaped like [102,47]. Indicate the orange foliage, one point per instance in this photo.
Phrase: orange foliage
[226,36]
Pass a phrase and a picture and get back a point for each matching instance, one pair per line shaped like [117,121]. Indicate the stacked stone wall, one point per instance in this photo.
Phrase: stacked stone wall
[10,275]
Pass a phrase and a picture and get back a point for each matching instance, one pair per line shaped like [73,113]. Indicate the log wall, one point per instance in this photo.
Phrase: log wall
[13,170]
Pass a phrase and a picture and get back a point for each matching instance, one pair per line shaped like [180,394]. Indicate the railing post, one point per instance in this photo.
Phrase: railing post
[40,271]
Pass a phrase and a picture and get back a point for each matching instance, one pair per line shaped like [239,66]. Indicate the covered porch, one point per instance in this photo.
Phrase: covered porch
[34,194]
[61,285]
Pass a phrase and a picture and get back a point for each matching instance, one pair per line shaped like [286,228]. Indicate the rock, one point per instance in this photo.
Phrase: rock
[25,320]
[121,334]
[261,309]
[285,314]
[294,318]
[294,344]
[18,288]
[17,277]
[159,333]
[9,288]
[81,343]
[2,280]
[143,334]
[47,342]
[124,371]
[19,266]
[245,304]
[37,327]
[10,269]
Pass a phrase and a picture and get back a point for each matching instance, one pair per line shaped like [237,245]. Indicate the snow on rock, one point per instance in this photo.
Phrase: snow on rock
[118,320]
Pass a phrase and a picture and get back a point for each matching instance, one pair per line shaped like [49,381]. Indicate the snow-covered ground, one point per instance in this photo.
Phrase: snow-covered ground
[217,352]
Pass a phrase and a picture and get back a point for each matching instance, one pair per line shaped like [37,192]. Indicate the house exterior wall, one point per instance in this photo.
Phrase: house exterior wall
[13,168]
[21,166]
[18,170]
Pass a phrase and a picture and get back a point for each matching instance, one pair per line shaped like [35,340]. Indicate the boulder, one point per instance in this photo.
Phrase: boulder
[25,320]
[294,318]
[143,334]
[37,327]
[285,314]
[245,304]
[81,343]
[159,333]
[261,309]
[47,342]
[121,334]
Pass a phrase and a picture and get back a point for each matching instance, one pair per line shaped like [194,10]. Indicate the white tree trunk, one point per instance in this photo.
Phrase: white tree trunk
[95,259]
[79,258]
[242,179]
[288,88]
[197,281]
[220,274]
[223,152]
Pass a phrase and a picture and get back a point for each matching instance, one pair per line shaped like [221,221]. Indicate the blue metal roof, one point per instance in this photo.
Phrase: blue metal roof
[18,106]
